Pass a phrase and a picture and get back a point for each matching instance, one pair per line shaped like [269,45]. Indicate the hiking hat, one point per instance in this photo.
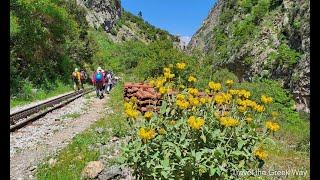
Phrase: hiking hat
[99,68]
[76,69]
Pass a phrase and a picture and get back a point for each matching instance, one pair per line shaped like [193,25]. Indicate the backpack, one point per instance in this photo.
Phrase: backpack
[99,76]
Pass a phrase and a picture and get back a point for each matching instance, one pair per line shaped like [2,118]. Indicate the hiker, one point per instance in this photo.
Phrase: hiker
[109,82]
[76,79]
[98,81]
[83,77]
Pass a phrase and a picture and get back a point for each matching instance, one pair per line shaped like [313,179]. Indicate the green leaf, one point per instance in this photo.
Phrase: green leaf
[178,152]
[163,107]
[240,144]
[198,156]
[165,162]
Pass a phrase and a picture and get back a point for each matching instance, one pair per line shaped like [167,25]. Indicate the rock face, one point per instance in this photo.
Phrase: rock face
[200,39]
[266,48]
[101,13]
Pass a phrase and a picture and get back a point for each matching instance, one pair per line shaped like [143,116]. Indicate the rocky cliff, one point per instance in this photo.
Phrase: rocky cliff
[121,25]
[101,13]
[260,38]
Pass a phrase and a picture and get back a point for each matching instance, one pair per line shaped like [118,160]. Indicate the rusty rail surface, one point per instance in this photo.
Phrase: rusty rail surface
[33,113]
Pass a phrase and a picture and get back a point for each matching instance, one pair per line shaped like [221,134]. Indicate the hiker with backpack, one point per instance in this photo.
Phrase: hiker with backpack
[76,78]
[98,81]
[109,82]
[83,77]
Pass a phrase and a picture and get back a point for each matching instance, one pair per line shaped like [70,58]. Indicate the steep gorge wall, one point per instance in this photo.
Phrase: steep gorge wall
[264,38]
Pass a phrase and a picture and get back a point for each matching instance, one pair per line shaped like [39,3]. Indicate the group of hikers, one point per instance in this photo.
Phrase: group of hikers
[101,79]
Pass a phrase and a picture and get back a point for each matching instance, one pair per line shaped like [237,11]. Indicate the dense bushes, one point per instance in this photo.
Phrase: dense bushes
[47,40]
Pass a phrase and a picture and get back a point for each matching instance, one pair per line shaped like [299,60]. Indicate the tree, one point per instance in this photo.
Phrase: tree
[140,14]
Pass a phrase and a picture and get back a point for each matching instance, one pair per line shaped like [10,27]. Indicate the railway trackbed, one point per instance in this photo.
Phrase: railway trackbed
[23,117]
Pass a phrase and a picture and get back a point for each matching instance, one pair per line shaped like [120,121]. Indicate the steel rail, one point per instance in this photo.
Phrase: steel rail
[28,112]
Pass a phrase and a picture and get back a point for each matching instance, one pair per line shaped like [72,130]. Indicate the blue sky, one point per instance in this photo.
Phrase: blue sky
[179,17]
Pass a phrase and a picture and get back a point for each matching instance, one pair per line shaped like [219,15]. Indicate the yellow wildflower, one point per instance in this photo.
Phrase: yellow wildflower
[259,108]
[146,134]
[162,90]
[265,99]
[222,98]
[166,70]
[203,100]
[182,104]
[180,97]
[229,121]
[181,65]
[131,113]
[229,82]
[214,86]
[152,83]
[148,115]
[162,131]
[261,154]
[195,123]
[249,119]
[242,109]
[192,79]
[273,126]
[193,91]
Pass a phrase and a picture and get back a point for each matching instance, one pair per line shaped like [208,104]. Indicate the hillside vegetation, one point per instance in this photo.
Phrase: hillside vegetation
[260,39]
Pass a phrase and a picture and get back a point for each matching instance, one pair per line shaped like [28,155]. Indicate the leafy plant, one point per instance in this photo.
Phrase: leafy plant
[198,137]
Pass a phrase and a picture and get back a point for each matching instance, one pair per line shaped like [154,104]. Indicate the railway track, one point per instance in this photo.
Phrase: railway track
[23,117]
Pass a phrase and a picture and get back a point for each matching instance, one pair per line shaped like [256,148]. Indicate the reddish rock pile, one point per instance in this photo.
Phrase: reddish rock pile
[148,99]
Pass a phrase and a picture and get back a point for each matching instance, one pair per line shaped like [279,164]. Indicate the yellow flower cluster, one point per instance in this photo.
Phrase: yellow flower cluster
[182,104]
[261,154]
[159,82]
[203,100]
[229,121]
[130,110]
[229,82]
[146,134]
[193,91]
[243,104]
[131,113]
[181,65]
[167,73]
[194,101]
[164,90]
[240,93]
[180,97]
[222,98]
[273,126]
[195,123]
[265,99]
[192,79]
[148,115]
[214,86]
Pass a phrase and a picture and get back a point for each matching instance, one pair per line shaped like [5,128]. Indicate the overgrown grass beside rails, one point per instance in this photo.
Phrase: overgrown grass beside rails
[72,159]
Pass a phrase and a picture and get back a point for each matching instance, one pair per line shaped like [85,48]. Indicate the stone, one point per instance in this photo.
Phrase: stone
[92,169]
[110,173]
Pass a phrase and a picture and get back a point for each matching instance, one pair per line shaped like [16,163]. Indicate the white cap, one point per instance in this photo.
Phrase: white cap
[76,69]
[99,68]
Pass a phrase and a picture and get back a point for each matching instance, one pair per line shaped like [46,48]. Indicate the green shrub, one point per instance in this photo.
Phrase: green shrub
[284,56]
